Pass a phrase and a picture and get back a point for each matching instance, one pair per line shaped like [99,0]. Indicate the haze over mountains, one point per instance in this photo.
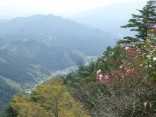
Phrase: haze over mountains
[50,41]
[32,47]
[55,31]
[109,18]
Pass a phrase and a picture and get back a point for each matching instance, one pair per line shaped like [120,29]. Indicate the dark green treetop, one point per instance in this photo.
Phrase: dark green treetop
[141,23]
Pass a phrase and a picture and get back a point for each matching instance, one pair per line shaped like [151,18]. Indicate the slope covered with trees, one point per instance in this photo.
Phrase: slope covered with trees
[49,100]
[32,47]
[121,83]
[6,92]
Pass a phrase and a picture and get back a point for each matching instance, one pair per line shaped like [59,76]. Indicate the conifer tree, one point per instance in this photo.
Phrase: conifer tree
[141,23]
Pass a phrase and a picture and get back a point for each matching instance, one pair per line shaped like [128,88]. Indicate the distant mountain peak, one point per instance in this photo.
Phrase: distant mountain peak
[110,17]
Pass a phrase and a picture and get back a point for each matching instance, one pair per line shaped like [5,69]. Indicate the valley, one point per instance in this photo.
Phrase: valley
[59,73]
[78,58]
[34,48]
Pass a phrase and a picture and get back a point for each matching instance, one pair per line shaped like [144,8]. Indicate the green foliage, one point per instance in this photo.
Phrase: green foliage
[149,57]
[141,23]
[51,99]
[82,82]
[124,94]
[128,90]
[83,75]
[6,93]
[112,58]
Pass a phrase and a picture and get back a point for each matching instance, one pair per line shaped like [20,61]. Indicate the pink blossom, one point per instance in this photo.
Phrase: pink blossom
[129,70]
[145,104]
[98,72]
[100,77]
[126,48]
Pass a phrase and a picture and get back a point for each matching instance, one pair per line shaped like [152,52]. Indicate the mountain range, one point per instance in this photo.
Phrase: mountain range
[32,47]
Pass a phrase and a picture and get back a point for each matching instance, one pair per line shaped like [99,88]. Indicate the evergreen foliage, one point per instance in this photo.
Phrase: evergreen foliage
[141,23]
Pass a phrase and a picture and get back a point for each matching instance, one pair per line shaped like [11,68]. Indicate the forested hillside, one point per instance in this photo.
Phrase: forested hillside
[6,92]
[49,100]
[121,83]
[32,47]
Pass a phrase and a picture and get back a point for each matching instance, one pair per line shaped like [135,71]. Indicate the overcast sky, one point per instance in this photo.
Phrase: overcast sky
[14,8]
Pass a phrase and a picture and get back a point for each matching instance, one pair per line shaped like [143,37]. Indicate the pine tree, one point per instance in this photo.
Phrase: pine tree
[141,23]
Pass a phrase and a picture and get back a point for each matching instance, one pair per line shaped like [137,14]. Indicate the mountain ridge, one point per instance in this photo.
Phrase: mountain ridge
[32,47]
